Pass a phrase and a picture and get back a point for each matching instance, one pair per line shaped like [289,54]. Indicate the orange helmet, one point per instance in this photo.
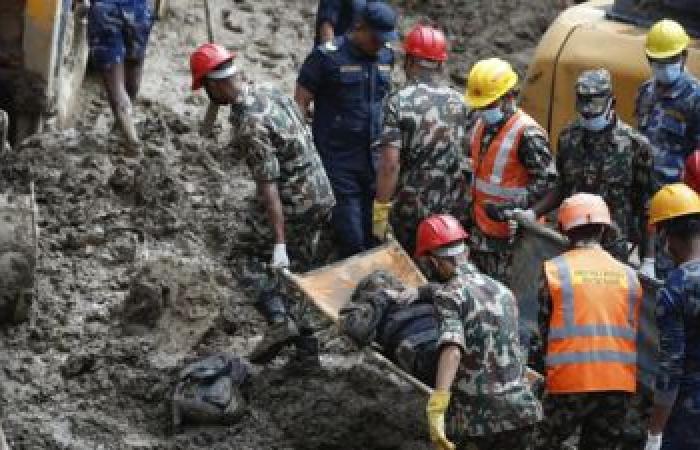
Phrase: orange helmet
[583,209]
[438,231]
[691,175]
[205,59]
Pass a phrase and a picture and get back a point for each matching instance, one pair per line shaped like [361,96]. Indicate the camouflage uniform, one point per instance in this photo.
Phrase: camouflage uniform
[678,380]
[490,397]
[615,163]
[600,415]
[278,147]
[670,119]
[494,256]
[428,124]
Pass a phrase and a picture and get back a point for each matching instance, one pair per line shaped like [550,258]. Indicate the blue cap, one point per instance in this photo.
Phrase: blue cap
[381,18]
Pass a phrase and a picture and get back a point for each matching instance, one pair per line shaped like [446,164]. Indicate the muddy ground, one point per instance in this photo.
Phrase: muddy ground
[76,376]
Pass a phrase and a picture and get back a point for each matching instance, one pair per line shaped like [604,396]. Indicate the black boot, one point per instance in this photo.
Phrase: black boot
[281,330]
[306,357]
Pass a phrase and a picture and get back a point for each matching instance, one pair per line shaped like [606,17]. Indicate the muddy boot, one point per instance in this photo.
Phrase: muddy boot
[281,330]
[277,336]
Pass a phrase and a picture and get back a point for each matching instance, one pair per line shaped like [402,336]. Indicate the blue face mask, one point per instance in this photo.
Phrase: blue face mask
[491,115]
[596,123]
[667,73]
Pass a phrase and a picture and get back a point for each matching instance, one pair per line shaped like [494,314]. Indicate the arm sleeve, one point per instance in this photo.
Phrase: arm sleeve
[391,130]
[539,342]
[260,155]
[669,319]
[311,72]
[696,123]
[450,320]
[644,186]
[535,156]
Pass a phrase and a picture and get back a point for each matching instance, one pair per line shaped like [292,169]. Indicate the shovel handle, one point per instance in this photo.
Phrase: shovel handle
[541,230]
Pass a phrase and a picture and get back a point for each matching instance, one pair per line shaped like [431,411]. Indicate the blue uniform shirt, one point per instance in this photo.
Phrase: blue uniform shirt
[349,88]
[678,319]
[671,121]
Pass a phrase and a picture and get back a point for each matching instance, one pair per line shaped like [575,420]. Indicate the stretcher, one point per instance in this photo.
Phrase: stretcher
[330,287]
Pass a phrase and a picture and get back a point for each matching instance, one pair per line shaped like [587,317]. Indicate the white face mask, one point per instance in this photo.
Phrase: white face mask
[491,115]
[667,73]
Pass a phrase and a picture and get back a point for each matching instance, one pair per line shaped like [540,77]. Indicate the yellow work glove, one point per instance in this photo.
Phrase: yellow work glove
[437,405]
[380,219]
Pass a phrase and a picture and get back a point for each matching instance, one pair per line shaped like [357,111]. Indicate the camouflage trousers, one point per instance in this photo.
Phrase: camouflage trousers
[496,264]
[634,434]
[520,439]
[599,415]
[251,253]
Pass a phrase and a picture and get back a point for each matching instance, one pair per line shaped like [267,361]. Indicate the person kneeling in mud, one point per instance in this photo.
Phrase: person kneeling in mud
[294,198]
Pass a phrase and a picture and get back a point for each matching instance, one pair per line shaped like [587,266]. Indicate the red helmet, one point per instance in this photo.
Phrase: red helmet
[438,231]
[205,59]
[426,42]
[691,175]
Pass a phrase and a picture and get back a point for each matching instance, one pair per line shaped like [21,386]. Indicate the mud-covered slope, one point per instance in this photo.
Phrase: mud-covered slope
[74,376]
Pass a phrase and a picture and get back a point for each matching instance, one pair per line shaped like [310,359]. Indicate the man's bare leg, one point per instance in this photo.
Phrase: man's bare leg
[120,102]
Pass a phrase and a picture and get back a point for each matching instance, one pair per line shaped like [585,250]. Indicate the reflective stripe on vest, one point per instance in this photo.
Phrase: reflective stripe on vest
[498,174]
[593,326]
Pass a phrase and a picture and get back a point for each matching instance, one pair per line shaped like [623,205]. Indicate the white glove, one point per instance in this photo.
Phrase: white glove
[653,442]
[280,259]
[647,269]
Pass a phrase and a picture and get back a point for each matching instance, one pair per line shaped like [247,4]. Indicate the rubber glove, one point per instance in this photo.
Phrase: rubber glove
[648,268]
[380,219]
[280,259]
[437,405]
[653,442]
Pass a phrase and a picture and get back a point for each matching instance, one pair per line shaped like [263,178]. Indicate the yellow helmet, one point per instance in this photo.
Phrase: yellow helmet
[665,39]
[673,200]
[489,80]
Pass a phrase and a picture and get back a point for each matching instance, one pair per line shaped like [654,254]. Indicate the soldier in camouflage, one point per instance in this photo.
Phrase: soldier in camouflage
[481,366]
[600,154]
[425,127]
[500,163]
[294,197]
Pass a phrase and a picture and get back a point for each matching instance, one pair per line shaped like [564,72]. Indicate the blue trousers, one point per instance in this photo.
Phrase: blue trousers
[352,215]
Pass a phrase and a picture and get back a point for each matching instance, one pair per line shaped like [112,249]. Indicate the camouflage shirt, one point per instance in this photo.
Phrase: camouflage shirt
[534,154]
[671,120]
[480,315]
[278,147]
[678,319]
[428,123]
[615,164]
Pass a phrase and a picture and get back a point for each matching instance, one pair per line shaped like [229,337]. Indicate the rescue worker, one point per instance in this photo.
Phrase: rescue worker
[425,127]
[118,32]
[511,161]
[668,105]
[480,384]
[675,211]
[588,321]
[600,154]
[668,109]
[294,197]
[347,80]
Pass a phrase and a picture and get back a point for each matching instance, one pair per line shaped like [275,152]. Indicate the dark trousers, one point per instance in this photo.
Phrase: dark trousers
[352,215]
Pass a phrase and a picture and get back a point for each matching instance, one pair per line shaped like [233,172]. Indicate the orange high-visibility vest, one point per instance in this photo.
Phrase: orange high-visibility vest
[499,177]
[592,342]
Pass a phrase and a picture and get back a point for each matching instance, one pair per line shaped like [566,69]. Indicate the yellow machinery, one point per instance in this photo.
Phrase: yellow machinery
[600,33]
[43,57]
